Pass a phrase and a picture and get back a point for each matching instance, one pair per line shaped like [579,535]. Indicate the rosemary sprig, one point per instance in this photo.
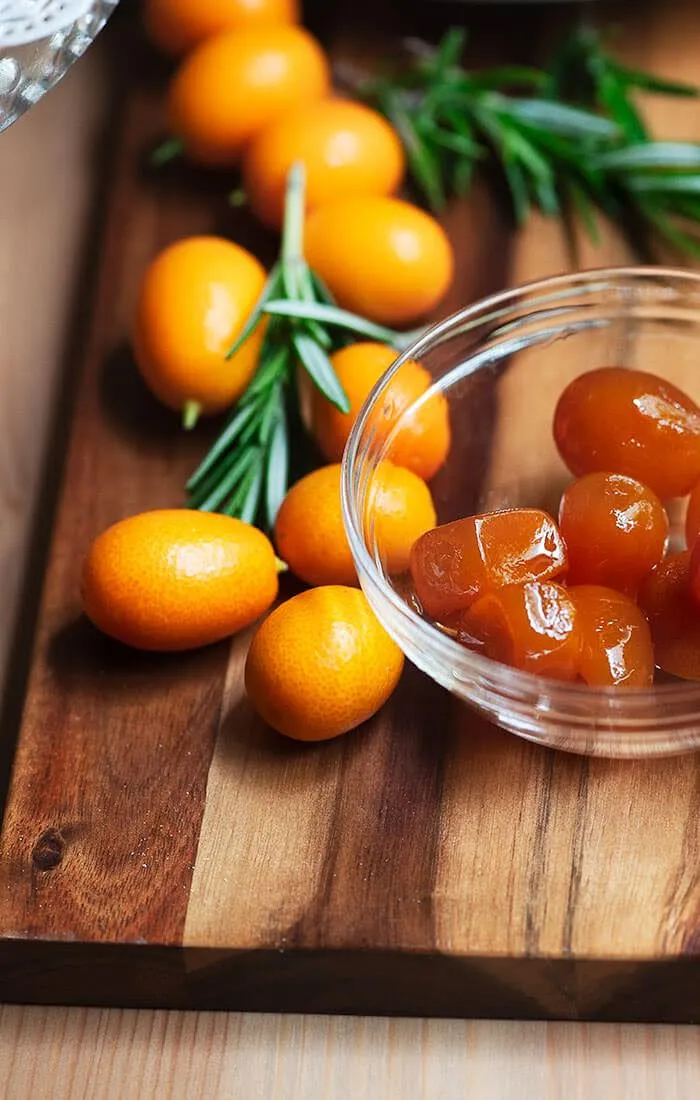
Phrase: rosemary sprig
[451,120]
[654,185]
[583,72]
[246,471]
[567,136]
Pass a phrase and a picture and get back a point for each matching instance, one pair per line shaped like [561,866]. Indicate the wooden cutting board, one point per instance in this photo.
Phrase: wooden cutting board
[161,846]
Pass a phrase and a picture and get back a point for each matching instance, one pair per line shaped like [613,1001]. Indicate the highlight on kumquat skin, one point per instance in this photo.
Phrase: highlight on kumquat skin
[174,579]
[692,516]
[630,422]
[309,531]
[456,563]
[321,664]
[195,297]
[399,510]
[530,626]
[616,647]
[346,149]
[615,530]
[233,85]
[422,441]
[380,257]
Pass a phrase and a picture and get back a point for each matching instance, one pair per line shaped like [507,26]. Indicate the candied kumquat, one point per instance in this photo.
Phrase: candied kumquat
[531,627]
[615,640]
[633,423]
[674,617]
[692,516]
[615,530]
[454,564]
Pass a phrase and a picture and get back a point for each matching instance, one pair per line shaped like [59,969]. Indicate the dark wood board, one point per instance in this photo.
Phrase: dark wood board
[160,846]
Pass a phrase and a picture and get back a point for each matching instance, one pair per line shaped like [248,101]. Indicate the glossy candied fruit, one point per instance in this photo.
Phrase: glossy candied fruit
[692,516]
[615,641]
[454,564]
[615,530]
[694,570]
[674,617]
[532,627]
[631,422]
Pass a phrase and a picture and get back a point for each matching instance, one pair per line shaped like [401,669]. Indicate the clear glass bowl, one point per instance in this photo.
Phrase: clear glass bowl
[502,364]
[39,41]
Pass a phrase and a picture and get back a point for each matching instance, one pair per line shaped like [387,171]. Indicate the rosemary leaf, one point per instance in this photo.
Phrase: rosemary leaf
[236,471]
[333,315]
[251,432]
[520,146]
[299,287]
[613,96]
[274,360]
[508,76]
[232,506]
[559,118]
[423,163]
[235,425]
[462,177]
[663,183]
[464,147]
[635,78]
[652,154]
[251,501]
[271,413]
[450,50]
[320,369]
[271,287]
[277,469]
[458,122]
[687,208]
[321,291]
[204,487]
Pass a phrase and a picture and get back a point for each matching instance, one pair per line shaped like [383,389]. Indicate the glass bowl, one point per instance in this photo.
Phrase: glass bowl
[39,41]
[502,364]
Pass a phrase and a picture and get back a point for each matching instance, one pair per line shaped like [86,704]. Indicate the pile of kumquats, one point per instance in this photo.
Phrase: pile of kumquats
[214,333]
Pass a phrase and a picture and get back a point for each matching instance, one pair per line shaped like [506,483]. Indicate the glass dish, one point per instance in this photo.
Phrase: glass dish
[502,364]
[39,41]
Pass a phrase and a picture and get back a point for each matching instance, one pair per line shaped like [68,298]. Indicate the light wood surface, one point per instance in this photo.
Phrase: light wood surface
[86,1054]
[61,1054]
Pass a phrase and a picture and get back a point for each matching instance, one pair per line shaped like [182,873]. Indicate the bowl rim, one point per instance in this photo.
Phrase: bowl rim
[498,677]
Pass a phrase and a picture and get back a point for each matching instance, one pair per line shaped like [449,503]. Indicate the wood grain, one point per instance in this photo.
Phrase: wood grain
[137,819]
[162,847]
[68,1054]
[101,1055]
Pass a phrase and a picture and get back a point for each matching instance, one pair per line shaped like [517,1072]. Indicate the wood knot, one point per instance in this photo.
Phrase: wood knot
[49,850]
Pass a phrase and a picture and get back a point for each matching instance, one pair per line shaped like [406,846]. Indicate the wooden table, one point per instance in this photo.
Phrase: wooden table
[46,182]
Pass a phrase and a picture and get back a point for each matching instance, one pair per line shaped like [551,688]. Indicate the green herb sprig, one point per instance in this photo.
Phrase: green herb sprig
[654,185]
[246,471]
[568,136]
